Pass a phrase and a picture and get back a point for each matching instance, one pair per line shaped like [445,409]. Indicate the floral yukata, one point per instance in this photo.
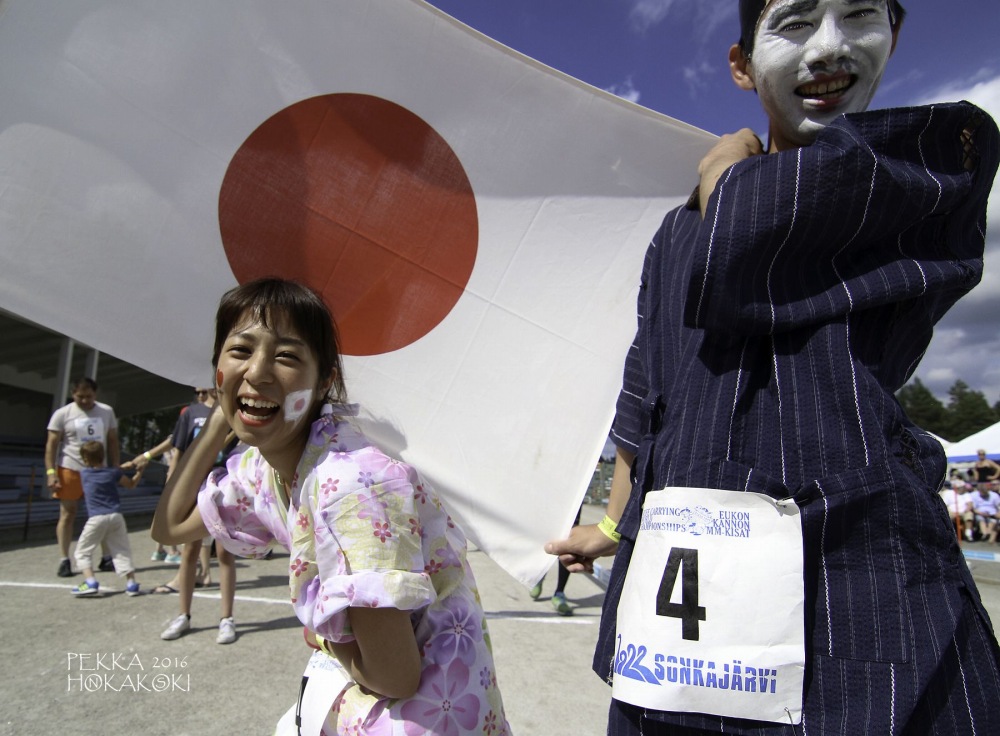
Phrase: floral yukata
[362,530]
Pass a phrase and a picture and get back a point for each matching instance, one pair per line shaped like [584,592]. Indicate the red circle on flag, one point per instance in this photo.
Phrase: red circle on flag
[363,201]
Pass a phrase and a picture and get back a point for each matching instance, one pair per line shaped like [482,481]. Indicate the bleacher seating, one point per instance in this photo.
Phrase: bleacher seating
[25,501]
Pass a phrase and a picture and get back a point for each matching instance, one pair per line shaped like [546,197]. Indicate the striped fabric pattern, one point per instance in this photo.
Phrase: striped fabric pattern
[771,338]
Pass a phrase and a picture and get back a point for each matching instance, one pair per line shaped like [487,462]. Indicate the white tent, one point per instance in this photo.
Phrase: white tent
[964,451]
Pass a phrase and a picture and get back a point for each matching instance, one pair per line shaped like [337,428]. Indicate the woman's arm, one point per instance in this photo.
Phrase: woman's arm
[177,519]
[383,657]
[143,458]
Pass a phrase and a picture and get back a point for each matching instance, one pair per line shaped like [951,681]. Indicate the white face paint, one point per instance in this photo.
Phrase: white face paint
[816,59]
[297,403]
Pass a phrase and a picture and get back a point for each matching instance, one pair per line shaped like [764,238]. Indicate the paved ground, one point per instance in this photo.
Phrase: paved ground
[56,650]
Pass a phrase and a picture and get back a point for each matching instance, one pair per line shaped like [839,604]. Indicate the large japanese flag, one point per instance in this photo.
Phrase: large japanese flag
[476,220]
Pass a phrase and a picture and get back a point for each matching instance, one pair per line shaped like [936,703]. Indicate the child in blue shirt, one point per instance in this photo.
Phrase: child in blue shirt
[106,523]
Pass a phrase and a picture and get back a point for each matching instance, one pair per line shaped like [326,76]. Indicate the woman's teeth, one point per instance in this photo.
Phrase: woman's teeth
[258,407]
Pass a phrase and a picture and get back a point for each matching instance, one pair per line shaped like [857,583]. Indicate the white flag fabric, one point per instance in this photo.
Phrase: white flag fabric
[476,220]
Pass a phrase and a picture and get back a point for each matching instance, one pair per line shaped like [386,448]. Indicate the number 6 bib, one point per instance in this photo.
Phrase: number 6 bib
[711,614]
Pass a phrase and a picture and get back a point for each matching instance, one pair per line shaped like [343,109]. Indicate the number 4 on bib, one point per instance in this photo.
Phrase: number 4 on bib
[688,610]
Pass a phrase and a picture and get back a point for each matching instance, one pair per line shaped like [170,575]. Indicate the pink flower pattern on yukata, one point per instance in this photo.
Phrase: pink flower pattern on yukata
[442,705]
[382,531]
[460,631]
[449,557]
[372,507]
[336,562]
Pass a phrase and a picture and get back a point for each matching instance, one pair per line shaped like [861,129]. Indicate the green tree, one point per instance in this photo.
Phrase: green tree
[968,412]
[923,407]
[139,432]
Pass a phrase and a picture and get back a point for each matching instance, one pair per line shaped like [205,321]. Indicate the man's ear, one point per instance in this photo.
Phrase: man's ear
[895,37]
[738,67]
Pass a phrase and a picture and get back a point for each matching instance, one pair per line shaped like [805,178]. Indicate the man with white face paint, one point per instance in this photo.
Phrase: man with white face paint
[782,562]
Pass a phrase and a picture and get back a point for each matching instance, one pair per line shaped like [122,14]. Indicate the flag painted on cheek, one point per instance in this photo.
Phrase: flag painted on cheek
[476,221]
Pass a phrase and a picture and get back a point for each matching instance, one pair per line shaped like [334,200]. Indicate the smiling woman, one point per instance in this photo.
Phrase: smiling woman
[377,568]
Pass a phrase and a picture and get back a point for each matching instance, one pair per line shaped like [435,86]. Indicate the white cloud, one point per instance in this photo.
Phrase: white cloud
[708,14]
[985,92]
[695,76]
[646,13]
[626,90]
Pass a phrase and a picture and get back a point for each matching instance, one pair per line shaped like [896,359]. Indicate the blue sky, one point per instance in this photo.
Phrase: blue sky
[671,56]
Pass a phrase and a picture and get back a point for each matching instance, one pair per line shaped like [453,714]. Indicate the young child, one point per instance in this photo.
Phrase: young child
[106,523]
[378,570]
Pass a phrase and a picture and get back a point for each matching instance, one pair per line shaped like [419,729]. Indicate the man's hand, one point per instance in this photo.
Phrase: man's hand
[53,483]
[731,148]
[585,544]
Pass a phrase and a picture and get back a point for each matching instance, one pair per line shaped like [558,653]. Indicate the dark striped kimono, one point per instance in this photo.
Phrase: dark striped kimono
[772,337]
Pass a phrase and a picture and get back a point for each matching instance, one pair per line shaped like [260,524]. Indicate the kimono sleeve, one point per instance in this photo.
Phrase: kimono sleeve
[884,207]
[625,431]
[226,503]
[369,550]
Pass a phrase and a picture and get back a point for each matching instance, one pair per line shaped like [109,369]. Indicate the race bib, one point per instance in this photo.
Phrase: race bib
[322,683]
[90,428]
[711,613]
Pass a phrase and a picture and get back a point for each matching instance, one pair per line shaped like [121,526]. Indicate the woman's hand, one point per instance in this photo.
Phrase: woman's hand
[177,519]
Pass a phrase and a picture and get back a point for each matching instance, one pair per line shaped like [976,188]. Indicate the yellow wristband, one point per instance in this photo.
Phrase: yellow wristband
[323,645]
[50,471]
[608,527]
[147,455]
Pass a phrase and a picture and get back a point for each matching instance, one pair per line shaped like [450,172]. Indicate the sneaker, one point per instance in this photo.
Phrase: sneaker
[64,571]
[173,559]
[107,565]
[158,556]
[227,631]
[536,591]
[559,603]
[132,589]
[177,627]
[86,588]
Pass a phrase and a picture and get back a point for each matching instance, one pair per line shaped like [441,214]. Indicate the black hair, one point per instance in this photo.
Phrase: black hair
[269,298]
[751,10]
[84,382]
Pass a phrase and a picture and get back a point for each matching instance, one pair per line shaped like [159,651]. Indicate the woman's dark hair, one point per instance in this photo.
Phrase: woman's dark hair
[750,12]
[268,299]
